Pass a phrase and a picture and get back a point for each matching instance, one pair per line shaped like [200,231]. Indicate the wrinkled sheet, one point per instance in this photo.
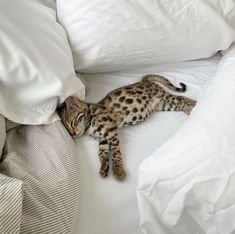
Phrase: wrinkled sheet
[111,206]
[188,184]
[39,179]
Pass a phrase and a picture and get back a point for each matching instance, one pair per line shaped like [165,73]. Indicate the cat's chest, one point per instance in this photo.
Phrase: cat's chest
[96,132]
[99,129]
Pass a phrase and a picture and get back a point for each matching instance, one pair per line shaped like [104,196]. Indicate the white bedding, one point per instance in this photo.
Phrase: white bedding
[118,35]
[36,65]
[187,185]
[106,205]
[180,170]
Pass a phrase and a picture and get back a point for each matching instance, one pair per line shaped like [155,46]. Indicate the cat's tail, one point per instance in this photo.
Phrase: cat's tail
[165,82]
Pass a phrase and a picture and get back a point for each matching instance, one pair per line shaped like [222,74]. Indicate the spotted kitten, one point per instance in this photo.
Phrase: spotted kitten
[124,106]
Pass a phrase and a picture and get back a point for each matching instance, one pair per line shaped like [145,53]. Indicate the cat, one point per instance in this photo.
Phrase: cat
[124,106]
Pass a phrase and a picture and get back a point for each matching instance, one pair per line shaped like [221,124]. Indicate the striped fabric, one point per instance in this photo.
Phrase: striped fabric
[2,133]
[44,164]
[10,195]
[10,205]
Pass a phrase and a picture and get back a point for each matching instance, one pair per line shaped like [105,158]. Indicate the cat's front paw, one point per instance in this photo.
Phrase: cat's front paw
[118,171]
[104,169]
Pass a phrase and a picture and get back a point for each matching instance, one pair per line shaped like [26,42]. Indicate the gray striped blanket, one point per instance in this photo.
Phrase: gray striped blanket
[39,179]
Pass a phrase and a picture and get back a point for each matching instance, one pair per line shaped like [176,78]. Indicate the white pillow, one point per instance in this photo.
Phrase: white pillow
[36,66]
[116,35]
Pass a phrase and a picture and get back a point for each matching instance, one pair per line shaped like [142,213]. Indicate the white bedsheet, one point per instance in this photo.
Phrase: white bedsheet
[188,184]
[108,206]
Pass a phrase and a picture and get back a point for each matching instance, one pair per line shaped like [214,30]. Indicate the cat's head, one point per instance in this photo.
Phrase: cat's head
[74,115]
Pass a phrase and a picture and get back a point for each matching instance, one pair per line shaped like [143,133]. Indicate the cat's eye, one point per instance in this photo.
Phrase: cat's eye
[76,120]
[79,118]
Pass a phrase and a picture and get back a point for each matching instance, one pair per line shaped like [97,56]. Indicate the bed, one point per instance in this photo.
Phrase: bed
[180,169]
[109,205]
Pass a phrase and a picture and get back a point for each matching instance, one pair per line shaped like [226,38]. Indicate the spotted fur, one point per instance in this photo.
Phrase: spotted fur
[125,106]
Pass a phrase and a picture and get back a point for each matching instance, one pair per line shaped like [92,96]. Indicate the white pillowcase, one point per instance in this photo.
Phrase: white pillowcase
[116,35]
[36,65]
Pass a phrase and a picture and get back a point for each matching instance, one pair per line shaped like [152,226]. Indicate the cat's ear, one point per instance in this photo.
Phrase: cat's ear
[72,103]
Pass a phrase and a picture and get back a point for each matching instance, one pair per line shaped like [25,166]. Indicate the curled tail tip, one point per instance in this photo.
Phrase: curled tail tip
[183,87]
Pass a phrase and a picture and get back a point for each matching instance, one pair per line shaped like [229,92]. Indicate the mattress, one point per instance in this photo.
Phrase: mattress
[107,205]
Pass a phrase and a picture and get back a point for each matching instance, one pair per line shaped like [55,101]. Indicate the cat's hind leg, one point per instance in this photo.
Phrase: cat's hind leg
[188,105]
[171,102]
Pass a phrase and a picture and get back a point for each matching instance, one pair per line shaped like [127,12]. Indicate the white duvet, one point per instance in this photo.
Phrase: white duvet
[188,184]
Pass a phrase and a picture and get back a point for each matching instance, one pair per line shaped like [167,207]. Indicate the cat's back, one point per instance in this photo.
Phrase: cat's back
[125,95]
[134,101]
